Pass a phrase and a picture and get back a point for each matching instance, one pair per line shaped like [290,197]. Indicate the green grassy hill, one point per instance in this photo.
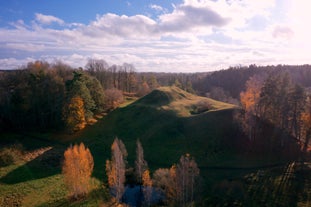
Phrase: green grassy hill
[169,123]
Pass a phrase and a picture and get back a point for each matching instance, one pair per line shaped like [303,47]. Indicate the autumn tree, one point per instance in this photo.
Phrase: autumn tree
[306,125]
[147,190]
[152,82]
[281,102]
[140,163]
[77,87]
[74,114]
[113,98]
[179,182]
[250,104]
[187,173]
[164,179]
[77,169]
[143,89]
[115,168]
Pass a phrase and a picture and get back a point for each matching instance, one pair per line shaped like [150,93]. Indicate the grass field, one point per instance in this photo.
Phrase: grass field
[169,123]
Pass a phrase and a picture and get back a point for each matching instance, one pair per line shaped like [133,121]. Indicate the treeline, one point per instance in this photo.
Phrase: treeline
[125,78]
[176,186]
[276,102]
[52,96]
[226,85]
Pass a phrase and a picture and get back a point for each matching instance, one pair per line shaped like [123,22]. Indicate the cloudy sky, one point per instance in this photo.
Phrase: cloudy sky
[156,35]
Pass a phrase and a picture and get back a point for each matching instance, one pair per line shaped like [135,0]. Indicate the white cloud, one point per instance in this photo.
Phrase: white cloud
[283,32]
[47,19]
[198,35]
[186,17]
[156,7]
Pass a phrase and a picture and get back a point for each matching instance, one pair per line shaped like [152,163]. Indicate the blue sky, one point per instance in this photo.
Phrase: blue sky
[156,35]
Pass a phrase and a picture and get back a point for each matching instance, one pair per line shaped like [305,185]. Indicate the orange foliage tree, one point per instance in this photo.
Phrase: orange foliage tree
[250,103]
[77,169]
[115,168]
[147,190]
[74,114]
[250,97]
[140,163]
[179,182]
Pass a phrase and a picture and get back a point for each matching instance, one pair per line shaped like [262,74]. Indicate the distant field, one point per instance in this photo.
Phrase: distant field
[169,122]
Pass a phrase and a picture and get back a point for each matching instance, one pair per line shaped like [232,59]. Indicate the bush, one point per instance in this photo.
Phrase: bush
[10,155]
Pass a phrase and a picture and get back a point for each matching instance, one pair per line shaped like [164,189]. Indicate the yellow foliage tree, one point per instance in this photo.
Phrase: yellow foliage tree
[250,97]
[74,114]
[115,168]
[147,190]
[250,101]
[77,169]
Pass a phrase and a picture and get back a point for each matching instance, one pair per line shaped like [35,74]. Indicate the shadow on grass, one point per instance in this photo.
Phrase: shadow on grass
[45,165]
[96,197]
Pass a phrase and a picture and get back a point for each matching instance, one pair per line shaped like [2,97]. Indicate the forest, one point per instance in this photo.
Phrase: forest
[251,123]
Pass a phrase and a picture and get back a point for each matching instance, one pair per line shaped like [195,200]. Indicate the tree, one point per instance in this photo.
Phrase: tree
[177,83]
[179,181]
[115,168]
[306,125]
[113,98]
[74,114]
[297,102]
[97,94]
[281,103]
[153,83]
[147,190]
[77,169]
[187,172]
[250,104]
[140,163]
[78,87]
[250,97]
[143,89]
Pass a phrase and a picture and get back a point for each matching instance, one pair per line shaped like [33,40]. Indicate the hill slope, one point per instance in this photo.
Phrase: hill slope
[169,122]
[181,102]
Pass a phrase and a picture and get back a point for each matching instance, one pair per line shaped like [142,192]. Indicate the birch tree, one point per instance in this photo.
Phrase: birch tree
[186,173]
[115,168]
[140,163]
[147,190]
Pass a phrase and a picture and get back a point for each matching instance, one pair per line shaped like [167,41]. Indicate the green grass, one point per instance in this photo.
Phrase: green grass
[169,123]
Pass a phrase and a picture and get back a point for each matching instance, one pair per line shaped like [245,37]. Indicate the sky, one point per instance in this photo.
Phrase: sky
[156,35]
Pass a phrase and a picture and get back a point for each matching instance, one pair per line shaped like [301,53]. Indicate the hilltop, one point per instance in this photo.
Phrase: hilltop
[181,102]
